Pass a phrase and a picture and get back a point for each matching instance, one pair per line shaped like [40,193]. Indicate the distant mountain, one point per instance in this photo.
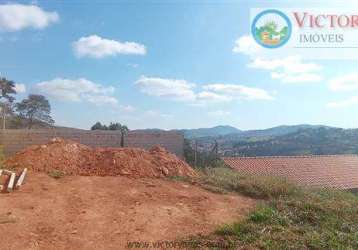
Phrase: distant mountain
[310,141]
[232,133]
[209,132]
[279,130]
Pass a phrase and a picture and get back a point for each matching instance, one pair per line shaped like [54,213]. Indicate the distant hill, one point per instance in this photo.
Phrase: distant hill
[225,132]
[209,132]
[16,122]
[232,133]
[279,130]
[309,141]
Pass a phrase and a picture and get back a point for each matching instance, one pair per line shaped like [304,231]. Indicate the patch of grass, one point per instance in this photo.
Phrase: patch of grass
[180,178]
[254,186]
[56,174]
[289,217]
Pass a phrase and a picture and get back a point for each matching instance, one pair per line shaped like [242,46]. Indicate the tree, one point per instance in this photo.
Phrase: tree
[99,126]
[115,126]
[35,108]
[6,109]
[112,126]
[124,130]
[7,89]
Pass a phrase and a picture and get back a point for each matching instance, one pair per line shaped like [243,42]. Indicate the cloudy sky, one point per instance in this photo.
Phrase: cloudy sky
[167,64]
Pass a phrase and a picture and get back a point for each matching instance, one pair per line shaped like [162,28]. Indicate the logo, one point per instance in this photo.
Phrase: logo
[271,29]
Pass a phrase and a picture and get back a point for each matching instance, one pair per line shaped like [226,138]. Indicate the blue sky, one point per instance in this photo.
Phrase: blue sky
[166,64]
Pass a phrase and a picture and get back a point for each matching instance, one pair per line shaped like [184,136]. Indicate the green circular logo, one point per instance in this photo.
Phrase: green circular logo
[271,29]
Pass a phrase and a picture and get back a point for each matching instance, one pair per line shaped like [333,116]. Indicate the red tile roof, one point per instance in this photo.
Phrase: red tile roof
[334,171]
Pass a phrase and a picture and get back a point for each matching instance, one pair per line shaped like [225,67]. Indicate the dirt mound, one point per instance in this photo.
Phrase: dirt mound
[73,158]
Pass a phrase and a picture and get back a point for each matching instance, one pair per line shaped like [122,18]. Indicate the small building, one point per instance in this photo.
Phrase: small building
[330,171]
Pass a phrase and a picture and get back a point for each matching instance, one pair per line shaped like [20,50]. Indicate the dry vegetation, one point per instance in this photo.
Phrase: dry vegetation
[288,217]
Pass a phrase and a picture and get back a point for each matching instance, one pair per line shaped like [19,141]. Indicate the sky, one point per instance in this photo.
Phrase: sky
[168,64]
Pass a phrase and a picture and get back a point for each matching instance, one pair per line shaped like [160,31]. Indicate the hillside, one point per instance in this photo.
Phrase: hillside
[209,132]
[279,130]
[229,132]
[315,141]
[17,122]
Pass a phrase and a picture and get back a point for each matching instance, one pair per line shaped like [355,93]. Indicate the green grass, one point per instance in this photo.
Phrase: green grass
[287,217]
[262,187]
[56,174]
[179,178]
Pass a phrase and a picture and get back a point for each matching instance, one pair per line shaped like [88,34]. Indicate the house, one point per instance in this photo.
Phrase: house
[330,171]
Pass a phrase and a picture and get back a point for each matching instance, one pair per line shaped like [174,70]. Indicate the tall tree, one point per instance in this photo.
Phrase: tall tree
[7,89]
[35,108]
[124,130]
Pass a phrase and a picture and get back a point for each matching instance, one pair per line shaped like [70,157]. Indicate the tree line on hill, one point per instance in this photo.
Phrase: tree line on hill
[111,126]
[114,126]
[35,109]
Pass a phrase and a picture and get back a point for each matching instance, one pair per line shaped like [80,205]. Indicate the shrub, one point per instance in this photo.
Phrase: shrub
[56,174]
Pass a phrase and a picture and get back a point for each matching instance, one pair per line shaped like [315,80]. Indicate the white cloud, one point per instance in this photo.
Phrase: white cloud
[291,64]
[100,99]
[246,45]
[77,90]
[20,88]
[14,17]
[219,113]
[288,69]
[172,88]
[347,82]
[98,47]
[239,91]
[182,90]
[345,103]
[212,97]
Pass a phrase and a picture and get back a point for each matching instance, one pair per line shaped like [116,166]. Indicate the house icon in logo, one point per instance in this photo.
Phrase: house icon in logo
[271,28]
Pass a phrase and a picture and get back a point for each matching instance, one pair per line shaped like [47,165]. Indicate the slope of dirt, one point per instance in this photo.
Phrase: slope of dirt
[76,159]
[81,212]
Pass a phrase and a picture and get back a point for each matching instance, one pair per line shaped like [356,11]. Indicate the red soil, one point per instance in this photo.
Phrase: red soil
[104,213]
[73,158]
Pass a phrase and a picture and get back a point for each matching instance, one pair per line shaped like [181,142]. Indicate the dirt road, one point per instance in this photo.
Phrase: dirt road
[79,212]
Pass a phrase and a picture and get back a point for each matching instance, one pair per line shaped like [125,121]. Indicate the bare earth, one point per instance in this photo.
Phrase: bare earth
[80,212]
